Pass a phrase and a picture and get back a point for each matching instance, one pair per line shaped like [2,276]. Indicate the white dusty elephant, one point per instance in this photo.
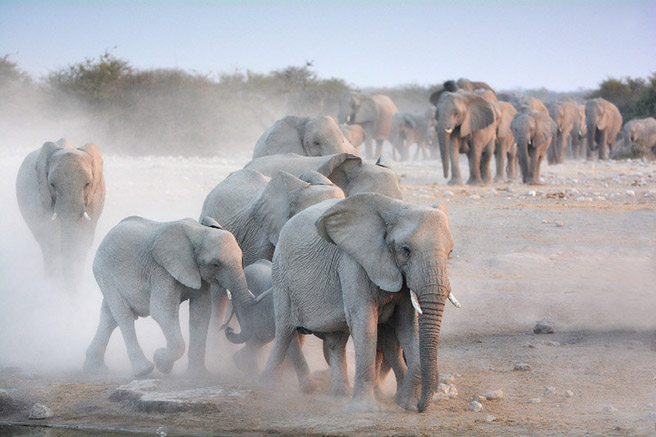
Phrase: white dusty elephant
[604,122]
[641,131]
[61,194]
[345,266]
[410,128]
[303,135]
[354,134]
[373,113]
[533,131]
[345,170]
[148,268]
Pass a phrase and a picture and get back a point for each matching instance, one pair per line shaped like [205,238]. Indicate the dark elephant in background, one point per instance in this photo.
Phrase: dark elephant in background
[565,115]
[410,128]
[604,122]
[533,131]
[61,194]
[461,84]
[373,113]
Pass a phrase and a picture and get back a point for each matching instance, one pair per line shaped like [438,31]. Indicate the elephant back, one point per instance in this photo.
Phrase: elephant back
[386,110]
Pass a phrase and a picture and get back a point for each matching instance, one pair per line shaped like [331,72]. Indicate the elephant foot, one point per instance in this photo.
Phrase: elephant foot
[423,406]
[475,182]
[362,405]
[197,372]
[308,386]
[142,369]
[245,361]
[455,181]
[536,183]
[499,180]
[268,381]
[162,362]
[95,367]
[341,391]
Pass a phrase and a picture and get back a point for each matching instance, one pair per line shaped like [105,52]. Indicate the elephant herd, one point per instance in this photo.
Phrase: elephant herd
[307,238]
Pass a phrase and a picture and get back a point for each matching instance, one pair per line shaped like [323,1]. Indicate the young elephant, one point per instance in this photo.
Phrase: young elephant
[346,266]
[147,268]
[533,132]
[61,194]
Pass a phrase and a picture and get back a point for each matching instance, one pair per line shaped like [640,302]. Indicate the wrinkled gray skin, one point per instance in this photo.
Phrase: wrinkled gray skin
[579,133]
[55,187]
[374,114]
[466,123]
[505,141]
[304,136]
[604,122]
[410,128]
[344,267]
[564,114]
[523,102]
[148,268]
[345,170]
[641,131]
[533,131]
[354,134]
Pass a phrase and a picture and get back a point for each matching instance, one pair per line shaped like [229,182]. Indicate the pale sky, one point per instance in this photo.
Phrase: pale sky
[561,45]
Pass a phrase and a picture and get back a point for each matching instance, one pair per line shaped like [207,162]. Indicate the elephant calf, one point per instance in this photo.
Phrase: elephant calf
[147,268]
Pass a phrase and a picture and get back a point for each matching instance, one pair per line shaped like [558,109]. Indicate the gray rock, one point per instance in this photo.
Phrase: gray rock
[8,404]
[522,367]
[550,391]
[494,395]
[533,401]
[552,343]
[447,379]
[446,391]
[609,409]
[490,418]
[569,394]
[475,406]
[40,412]
[544,326]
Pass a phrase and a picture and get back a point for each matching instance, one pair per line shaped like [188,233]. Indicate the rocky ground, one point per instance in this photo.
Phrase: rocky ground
[578,252]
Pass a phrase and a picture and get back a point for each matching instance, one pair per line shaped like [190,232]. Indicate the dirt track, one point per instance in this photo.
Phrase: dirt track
[585,259]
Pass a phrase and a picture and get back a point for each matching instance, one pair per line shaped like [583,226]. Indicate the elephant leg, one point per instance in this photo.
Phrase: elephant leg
[562,146]
[95,356]
[200,312]
[219,302]
[534,166]
[363,325]
[166,313]
[454,156]
[474,167]
[389,345]
[379,148]
[368,145]
[295,354]
[486,157]
[536,173]
[602,145]
[499,160]
[406,330]
[523,154]
[335,349]
[285,333]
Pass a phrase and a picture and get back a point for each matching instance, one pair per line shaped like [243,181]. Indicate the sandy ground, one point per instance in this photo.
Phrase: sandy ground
[579,250]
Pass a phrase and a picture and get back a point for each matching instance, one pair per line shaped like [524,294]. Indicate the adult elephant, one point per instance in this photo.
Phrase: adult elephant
[604,122]
[373,113]
[461,84]
[354,134]
[522,102]
[344,267]
[302,135]
[579,133]
[147,268]
[533,132]
[410,128]
[641,131]
[505,146]
[564,114]
[61,194]
[466,124]
[345,170]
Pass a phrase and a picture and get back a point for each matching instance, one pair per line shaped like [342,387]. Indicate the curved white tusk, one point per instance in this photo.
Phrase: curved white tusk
[229,294]
[454,301]
[448,130]
[86,216]
[54,216]
[415,301]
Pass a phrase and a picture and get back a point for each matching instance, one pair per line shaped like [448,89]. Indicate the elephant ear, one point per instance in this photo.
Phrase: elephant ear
[479,116]
[367,111]
[96,165]
[272,208]
[507,112]
[210,222]
[545,129]
[409,121]
[173,250]
[42,167]
[338,168]
[314,178]
[356,225]
[435,96]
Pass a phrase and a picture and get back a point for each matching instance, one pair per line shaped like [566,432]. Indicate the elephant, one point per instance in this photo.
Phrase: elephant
[641,131]
[505,141]
[533,132]
[373,113]
[461,84]
[523,102]
[564,114]
[579,133]
[302,135]
[61,194]
[354,134]
[346,171]
[466,124]
[604,122]
[146,268]
[343,267]
[410,128]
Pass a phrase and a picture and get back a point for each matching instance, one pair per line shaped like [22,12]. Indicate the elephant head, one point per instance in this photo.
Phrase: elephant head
[460,114]
[400,247]
[354,134]
[357,109]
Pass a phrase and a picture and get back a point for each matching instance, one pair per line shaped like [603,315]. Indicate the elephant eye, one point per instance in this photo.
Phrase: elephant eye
[450,253]
[406,251]
[87,184]
[316,143]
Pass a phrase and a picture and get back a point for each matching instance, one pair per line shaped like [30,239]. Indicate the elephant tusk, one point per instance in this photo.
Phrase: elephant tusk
[263,295]
[415,301]
[229,294]
[86,216]
[448,131]
[54,216]
[454,301]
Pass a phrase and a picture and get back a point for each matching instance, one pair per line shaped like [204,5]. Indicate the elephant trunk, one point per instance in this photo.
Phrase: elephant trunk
[444,140]
[592,133]
[244,303]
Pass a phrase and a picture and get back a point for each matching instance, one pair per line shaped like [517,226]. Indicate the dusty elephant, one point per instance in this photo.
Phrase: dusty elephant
[505,147]
[373,113]
[148,268]
[304,136]
[579,133]
[641,131]
[523,102]
[604,122]
[410,128]
[533,132]
[345,170]
[461,84]
[61,194]
[466,124]
[344,267]
[565,115]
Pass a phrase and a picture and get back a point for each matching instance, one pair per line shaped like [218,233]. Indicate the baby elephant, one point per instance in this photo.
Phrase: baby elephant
[148,268]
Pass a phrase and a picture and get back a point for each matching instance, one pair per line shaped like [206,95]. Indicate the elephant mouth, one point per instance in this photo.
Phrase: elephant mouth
[415,301]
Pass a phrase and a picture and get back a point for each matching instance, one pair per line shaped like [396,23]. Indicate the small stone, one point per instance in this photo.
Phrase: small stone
[494,395]
[39,412]
[559,224]
[448,193]
[533,401]
[446,391]
[474,197]
[475,407]
[630,193]
[490,418]
[549,391]
[552,343]
[609,409]
[545,222]
[580,199]
[569,394]
[531,193]
[522,367]
[530,345]
[602,198]
[544,326]
[572,191]
[447,379]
